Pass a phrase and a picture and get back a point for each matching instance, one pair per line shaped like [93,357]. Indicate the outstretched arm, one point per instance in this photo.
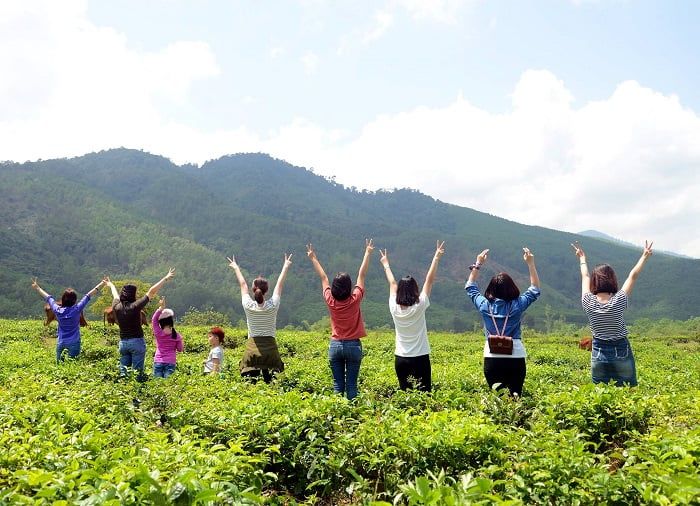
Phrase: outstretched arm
[283,276]
[241,280]
[108,282]
[585,278]
[92,292]
[432,271]
[369,248]
[44,294]
[530,261]
[637,269]
[153,291]
[384,259]
[474,268]
[317,266]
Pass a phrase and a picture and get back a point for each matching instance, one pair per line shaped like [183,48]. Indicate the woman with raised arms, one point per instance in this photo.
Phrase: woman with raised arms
[604,305]
[127,309]
[501,308]
[68,317]
[261,356]
[347,327]
[407,307]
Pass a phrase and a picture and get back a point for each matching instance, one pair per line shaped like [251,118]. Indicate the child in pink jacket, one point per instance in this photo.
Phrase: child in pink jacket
[168,341]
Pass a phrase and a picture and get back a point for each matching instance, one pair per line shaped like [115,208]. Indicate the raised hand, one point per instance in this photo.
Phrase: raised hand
[439,248]
[369,246]
[384,257]
[482,257]
[232,262]
[161,303]
[170,274]
[35,284]
[288,259]
[578,250]
[310,251]
[647,249]
[528,257]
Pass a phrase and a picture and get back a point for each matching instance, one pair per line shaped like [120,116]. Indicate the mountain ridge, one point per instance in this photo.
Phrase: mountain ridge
[131,213]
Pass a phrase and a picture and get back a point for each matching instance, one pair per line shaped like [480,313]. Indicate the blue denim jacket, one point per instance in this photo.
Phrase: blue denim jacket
[501,308]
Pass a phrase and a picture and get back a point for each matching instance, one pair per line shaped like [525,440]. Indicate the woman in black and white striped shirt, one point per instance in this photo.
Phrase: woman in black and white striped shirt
[604,304]
[261,356]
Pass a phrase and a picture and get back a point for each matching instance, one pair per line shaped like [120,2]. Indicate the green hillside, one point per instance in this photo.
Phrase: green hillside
[132,214]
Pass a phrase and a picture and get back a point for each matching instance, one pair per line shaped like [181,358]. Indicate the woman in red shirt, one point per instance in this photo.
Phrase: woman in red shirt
[347,326]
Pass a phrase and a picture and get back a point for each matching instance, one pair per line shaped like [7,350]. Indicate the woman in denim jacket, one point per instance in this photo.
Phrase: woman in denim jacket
[604,304]
[503,304]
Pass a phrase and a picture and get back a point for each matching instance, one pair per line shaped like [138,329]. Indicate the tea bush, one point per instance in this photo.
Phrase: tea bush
[75,434]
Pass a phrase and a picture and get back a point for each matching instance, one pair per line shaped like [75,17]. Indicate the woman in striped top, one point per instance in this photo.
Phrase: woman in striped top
[261,356]
[604,304]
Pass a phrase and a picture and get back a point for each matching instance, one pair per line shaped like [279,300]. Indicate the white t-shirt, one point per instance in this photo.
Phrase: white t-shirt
[262,320]
[411,330]
[215,352]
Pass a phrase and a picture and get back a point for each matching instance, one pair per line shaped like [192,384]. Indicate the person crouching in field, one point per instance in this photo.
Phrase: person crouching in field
[68,317]
[261,356]
[501,309]
[604,305]
[407,307]
[214,363]
[127,309]
[347,326]
[168,341]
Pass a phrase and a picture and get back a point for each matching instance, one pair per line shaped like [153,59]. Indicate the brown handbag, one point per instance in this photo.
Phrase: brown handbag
[500,344]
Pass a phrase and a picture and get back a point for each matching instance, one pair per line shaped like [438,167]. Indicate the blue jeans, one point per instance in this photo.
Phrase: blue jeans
[132,354]
[613,360]
[73,350]
[163,370]
[345,358]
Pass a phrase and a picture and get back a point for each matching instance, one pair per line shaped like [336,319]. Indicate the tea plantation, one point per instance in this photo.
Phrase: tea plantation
[75,434]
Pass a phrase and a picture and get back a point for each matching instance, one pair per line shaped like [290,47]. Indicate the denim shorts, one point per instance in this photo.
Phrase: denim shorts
[613,360]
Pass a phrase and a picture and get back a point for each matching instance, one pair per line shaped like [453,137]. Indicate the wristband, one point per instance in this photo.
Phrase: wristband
[476,266]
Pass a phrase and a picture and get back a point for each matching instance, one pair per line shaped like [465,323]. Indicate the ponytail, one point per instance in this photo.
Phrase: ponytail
[260,287]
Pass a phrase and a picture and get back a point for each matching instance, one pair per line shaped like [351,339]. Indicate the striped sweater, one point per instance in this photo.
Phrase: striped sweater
[606,318]
[262,319]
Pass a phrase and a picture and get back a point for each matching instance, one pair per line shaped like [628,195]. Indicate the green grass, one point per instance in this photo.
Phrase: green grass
[73,433]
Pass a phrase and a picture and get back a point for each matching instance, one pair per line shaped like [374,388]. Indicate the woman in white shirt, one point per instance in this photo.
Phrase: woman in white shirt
[261,356]
[407,306]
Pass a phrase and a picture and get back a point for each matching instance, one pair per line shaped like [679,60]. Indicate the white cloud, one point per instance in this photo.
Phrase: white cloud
[383,20]
[310,62]
[72,85]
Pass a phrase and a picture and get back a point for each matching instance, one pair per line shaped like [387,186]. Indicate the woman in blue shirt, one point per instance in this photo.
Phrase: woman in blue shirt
[68,317]
[501,308]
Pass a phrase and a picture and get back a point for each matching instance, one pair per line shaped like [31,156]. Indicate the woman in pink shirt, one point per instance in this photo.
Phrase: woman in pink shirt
[347,327]
[168,341]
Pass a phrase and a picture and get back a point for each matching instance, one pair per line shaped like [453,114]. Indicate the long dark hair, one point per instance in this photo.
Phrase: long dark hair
[603,279]
[260,287]
[341,288]
[69,298]
[407,293]
[502,287]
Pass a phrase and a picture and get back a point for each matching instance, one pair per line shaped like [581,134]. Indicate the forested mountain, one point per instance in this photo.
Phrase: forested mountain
[132,215]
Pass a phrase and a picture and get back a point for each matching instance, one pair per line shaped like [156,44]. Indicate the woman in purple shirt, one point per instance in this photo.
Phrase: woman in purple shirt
[168,341]
[68,317]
